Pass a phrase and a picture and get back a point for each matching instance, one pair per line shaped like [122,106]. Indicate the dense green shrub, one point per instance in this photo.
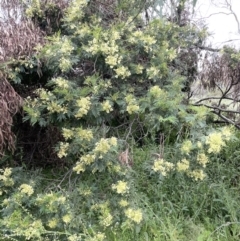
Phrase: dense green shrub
[112,85]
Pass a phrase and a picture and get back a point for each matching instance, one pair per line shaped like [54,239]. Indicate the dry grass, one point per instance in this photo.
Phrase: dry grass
[10,103]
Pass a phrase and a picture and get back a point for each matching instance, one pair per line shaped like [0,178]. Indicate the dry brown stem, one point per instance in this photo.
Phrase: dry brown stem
[10,103]
[18,40]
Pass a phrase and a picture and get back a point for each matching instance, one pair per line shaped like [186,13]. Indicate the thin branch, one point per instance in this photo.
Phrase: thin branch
[222,91]
[218,108]
[213,14]
[234,14]
[231,40]
[213,98]
[207,48]
[227,119]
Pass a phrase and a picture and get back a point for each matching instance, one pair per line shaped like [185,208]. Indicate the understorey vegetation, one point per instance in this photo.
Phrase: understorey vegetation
[102,133]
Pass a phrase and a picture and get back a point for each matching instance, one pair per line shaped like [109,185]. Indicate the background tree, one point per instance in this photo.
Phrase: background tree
[219,76]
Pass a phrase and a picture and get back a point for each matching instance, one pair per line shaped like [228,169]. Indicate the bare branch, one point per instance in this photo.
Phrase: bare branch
[226,5]
[213,14]
[234,14]
[218,108]
[212,98]
[231,40]
[227,120]
[207,48]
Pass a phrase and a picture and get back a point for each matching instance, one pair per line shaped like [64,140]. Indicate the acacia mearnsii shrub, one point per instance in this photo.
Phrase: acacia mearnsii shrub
[113,85]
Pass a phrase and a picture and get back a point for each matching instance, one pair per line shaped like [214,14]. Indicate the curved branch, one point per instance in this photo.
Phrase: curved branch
[215,98]
[227,119]
[218,108]
[207,48]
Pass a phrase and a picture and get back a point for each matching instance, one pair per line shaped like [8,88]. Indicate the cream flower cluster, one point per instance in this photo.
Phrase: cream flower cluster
[61,83]
[7,172]
[67,133]
[97,237]
[54,107]
[106,106]
[67,218]
[113,60]
[66,46]
[183,165]
[106,220]
[77,133]
[139,69]
[44,95]
[65,64]
[63,148]
[156,92]
[122,72]
[121,187]
[106,44]
[93,46]
[197,174]
[75,10]
[80,167]
[84,134]
[52,223]
[202,159]
[6,177]
[102,85]
[123,203]
[162,166]
[186,147]
[215,141]
[83,30]
[104,145]
[63,53]
[87,159]
[132,106]
[63,45]
[101,148]
[84,105]
[115,35]
[109,48]
[26,189]
[34,230]
[140,36]
[100,236]
[134,215]
[152,72]
[147,40]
